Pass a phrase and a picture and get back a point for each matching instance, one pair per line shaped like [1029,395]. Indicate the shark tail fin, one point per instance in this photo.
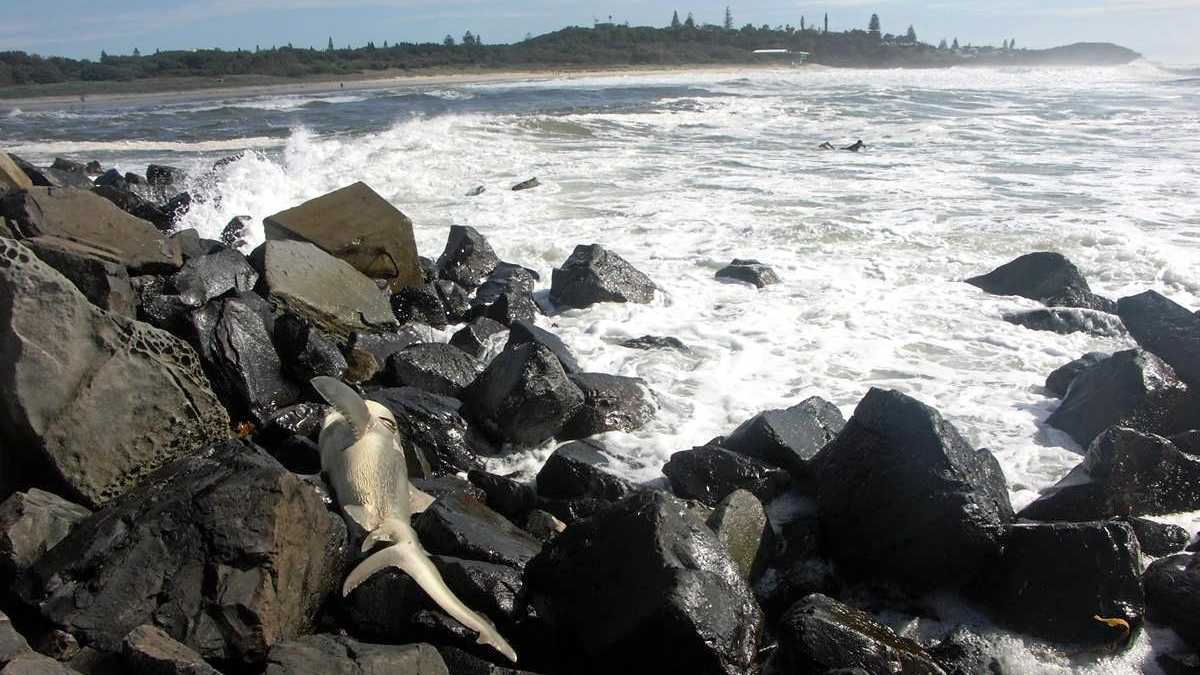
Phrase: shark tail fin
[346,401]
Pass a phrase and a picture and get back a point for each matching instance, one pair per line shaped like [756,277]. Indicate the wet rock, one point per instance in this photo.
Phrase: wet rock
[1124,473]
[1045,276]
[1188,441]
[463,527]
[1066,320]
[39,177]
[36,664]
[93,168]
[382,345]
[137,206]
[572,510]
[525,332]
[336,655]
[1179,664]
[819,634]
[543,526]
[436,367]
[900,484]
[1059,381]
[579,470]
[31,523]
[150,650]
[963,652]
[610,403]
[468,258]
[211,276]
[1158,539]
[523,397]
[740,523]
[358,226]
[310,283]
[791,438]
[66,361]
[191,245]
[506,296]
[168,553]
[239,356]
[160,175]
[89,219]
[236,232]
[710,473]
[306,351]
[114,179]
[526,185]
[660,592]
[11,175]
[509,498]
[134,179]
[12,644]
[68,165]
[434,426]
[1055,578]
[654,342]
[1132,388]
[444,487]
[750,272]
[1173,595]
[483,338]
[1165,329]
[422,304]
[594,274]
[456,301]
[102,280]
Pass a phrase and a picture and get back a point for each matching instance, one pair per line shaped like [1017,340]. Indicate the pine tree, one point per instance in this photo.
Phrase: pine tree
[801,23]
[942,45]
[826,22]
[330,47]
[690,24]
[1012,44]
[449,41]
[676,24]
[873,26]
[136,52]
[728,18]
[468,39]
[955,45]
[911,35]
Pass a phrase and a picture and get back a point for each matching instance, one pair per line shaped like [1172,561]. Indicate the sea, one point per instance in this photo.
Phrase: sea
[964,169]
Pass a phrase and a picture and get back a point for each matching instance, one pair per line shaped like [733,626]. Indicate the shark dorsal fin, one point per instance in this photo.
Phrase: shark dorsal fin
[346,401]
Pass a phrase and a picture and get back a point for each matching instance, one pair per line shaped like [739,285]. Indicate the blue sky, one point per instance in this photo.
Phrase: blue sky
[1163,30]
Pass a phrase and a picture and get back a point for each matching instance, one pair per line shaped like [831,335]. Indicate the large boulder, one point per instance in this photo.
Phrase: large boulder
[358,226]
[1045,276]
[36,175]
[791,438]
[306,351]
[31,523]
[90,402]
[468,258]
[337,655]
[523,397]
[211,276]
[162,217]
[436,367]
[101,280]
[645,586]
[610,403]
[710,473]
[419,304]
[750,272]
[434,427]
[594,274]
[1059,381]
[226,551]
[900,484]
[821,635]
[148,649]
[12,643]
[11,175]
[740,523]
[581,469]
[524,332]
[1158,539]
[1165,329]
[506,296]
[1124,473]
[483,338]
[461,526]
[1132,388]
[312,284]
[89,219]
[1055,579]
[1067,320]
[1173,595]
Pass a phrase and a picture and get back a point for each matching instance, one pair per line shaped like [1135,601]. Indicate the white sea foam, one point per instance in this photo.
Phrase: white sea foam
[84,148]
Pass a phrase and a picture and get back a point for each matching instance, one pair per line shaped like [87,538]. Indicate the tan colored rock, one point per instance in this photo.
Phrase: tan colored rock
[11,175]
[358,226]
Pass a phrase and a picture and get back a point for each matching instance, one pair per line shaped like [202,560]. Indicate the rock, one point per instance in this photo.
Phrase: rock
[31,523]
[93,168]
[89,219]
[710,473]
[506,296]
[1179,664]
[468,258]
[11,175]
[610,403]
[577,470]
[543,526]
[750,272]
[594,274]
[791,438]
[225,550]
[68,165]
[239,356]
[740,523]
[114,179]
[436,367]
[137,206]
[654,342]
[1055,578]
[1044,276]
[463,527]
[434,426]
[333,655]
[160,175]
[36,664]
[525,332]
[1173,595]
[12,644]
[1131,388]
[445,487]
[358,226]
[483,338]
[191,245]
[1158,539]
[236,232]
[1066,320]
[476,191]
[66,361]
[964,652]
[101,280]
[505,496]
[523,397]
[1124,473]
[1165,329]
[900,484]
[148,649]
[819,634]
[177,207]
[312,284]
[134,179]
[37,176]
[422,304]
[211,276]
[382,345]
[526,185]
[1059,381]
[659,591]
[1188,441]
[455,300]
[306,351]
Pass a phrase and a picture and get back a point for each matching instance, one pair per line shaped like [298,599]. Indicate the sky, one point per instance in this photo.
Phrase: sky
[1162,30]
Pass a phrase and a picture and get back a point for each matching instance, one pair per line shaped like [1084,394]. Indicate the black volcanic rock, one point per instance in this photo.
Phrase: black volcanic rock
[506,296]
[1158,539]
[211,276]
[422,304]
[1066,320]
[460,526]
[750,272]
[709,474]
[1054,578]
[1059,381]
[483,338]
[160,175]
[436,367]
[337,655]
[791,438]
[1165,329]
[1173,595]
[610,403]
[456,301]
[136,205]
[1124,473]
[511,499]
[660,592]
[1045,276]
[236,232]
[435,427]
[306,351]
[578,470]
[594,274]
[740,523]
[523,397]
[900,484]
[1132,388]
[654,342]
[1188,441]
[525,332]
[468,258]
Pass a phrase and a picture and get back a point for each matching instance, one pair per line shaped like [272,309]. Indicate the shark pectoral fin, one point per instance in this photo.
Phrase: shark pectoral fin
[346,401]
[418,500]
[360,516]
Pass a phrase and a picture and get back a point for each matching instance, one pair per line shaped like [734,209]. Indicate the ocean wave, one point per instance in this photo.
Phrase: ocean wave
[83,148]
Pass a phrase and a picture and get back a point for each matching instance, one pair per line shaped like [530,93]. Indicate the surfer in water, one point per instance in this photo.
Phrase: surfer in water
[858,145]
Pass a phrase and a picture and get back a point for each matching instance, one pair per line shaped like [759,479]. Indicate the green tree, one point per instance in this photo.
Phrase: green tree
[1012,44]
[942,45]
[955,45]
[873,26]
[690,24]
[449,41]
[826,22]
[675,23]
[137,52]
[728,18]
[468,39]
[330,47]
[911,35]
